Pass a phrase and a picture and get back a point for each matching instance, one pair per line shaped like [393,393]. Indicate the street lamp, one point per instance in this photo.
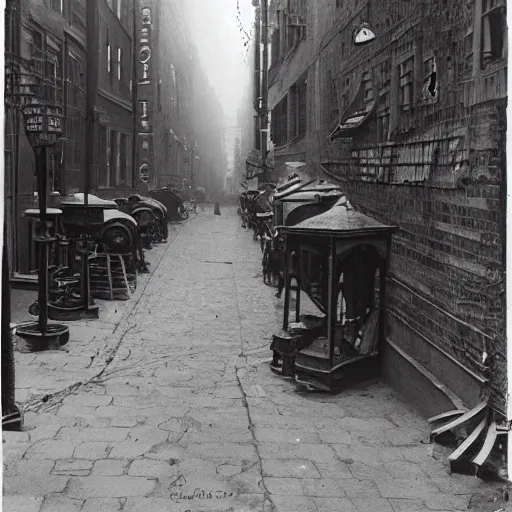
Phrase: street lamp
[43,127]
[363,34]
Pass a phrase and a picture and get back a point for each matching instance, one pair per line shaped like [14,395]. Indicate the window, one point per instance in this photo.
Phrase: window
[103,178]
[430,86]
[114,158]
[383,116]
[119,68]
[78,13]
[57,5]
[296,22]
[468,50]
[75,119]
[123,153]
[406,75]
[276,39]
[493,31]
[109,59]
[279,122]
[118,8]
[299,108]
[331,105]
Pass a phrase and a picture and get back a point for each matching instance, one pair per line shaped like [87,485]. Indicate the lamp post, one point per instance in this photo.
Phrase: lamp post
[43,127]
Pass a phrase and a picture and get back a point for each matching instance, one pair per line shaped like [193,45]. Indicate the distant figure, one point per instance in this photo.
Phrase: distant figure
[217,208]
[201,197]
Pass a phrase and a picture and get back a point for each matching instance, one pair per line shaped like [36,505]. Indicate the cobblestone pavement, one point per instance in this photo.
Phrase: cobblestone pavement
[183,414]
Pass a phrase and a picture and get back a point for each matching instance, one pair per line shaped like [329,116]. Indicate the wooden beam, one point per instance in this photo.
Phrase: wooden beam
[459,421]
[469,440]
[490,439]
[446,415]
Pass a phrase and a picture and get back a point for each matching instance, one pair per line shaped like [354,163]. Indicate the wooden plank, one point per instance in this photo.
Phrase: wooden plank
[469,440]
[490,439]
[459,421]
[446,415]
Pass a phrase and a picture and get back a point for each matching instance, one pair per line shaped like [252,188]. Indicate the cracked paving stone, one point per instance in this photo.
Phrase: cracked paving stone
[222,450]
[72,467]
[166,505]
[401,469]
[109,467]
[59,503]
[322,488]
[405,488]
[229,469]
[363,471]
[292,436]
[102,505]
[147,435]
[129,450]
[108,487]
[21,503]
[313,452]
[448,502]
[92,450]
[88,400]
[34,485]
[281,468]
[284,486]
[366,454]
[359,488]
[337,505]
[153,469]
[92,434]
[408,505]
[297,504]
[51,450]
[370,504]
[27,467]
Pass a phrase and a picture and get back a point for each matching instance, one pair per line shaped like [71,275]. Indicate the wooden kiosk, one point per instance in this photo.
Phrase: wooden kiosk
[339,260]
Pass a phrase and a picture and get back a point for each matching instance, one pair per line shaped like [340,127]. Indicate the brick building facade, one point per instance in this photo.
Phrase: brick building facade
[96,55]
[413,125]
[50,40]
[111,169]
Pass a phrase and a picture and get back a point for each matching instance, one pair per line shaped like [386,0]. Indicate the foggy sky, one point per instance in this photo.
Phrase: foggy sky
[220,46]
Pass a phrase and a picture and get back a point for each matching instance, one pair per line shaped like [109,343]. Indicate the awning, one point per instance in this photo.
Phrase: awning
[358,112]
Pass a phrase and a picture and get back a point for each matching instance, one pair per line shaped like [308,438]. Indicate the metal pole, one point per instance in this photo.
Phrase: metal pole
[257,75]
[90,107]
[41,170]
[135,141]
[264,88]
[11,418]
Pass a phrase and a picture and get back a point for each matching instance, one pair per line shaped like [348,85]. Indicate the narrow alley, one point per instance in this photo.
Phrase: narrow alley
[187,416]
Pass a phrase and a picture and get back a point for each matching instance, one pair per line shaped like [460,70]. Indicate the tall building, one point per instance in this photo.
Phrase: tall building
[138,111]
[47,42]
[413,125]
[111,154]
[174,100]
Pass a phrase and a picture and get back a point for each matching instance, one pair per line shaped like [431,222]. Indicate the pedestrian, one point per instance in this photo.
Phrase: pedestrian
[217,208]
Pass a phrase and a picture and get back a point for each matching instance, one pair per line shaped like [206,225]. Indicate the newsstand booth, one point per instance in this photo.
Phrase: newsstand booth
[339,259]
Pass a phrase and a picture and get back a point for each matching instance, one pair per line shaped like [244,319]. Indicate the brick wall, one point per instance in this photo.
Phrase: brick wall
[431,163]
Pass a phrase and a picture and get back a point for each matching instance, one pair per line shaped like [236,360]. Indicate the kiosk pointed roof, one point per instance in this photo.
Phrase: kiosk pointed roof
[341,219]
